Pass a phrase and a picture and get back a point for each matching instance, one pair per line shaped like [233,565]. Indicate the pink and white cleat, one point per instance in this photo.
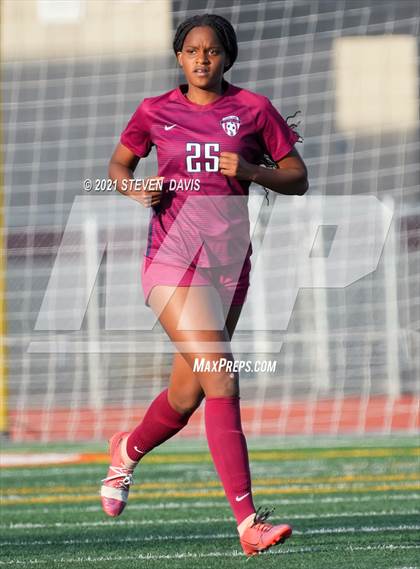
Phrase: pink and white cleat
[115,487]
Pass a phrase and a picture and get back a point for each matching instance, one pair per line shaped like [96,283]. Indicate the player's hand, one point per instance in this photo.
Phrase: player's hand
[146,196]
[232,164]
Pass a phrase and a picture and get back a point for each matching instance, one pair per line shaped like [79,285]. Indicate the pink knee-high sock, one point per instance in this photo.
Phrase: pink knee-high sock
[229,451]
[160,423]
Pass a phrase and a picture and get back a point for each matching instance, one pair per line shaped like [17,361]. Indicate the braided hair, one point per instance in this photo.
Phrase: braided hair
[267,160]
[222,27]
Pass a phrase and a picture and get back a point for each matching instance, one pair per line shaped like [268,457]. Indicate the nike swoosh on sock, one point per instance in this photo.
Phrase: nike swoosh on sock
[240,498]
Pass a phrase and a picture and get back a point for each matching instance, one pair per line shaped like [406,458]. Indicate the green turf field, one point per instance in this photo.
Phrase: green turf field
[353,505]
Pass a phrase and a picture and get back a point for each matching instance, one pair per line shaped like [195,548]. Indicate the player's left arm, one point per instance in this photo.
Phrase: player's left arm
[289,178]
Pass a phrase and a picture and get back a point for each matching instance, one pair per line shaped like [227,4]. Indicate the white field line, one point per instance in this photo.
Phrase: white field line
[213,554]
[220,503]
[182,521]
[202,537]
[83,470]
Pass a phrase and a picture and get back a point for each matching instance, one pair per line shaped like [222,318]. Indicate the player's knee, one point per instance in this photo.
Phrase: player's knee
[222,384]
[186,403]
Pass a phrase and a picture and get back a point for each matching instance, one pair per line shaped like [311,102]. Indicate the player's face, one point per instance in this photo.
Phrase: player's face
[202,58]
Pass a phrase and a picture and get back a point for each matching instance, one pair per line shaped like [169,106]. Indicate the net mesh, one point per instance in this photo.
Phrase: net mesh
[350,356]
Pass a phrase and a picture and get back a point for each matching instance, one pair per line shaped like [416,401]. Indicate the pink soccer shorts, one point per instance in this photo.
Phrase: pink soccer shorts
[222,278]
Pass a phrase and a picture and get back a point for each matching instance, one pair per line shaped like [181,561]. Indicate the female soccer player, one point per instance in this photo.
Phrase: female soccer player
[210,137]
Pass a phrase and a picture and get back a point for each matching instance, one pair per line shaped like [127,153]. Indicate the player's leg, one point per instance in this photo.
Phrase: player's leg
[255,533]
[195,326]
[226,440]
[172,408]
[168,413]
[185,393]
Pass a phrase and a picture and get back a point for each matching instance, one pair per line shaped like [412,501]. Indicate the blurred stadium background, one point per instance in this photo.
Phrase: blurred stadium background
[73,73]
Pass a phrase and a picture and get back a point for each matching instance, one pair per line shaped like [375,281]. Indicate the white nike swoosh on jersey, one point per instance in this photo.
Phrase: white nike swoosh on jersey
[168,127]
[138,450]
[240,498]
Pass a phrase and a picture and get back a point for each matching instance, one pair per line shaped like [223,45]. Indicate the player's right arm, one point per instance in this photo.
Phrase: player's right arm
[121,168]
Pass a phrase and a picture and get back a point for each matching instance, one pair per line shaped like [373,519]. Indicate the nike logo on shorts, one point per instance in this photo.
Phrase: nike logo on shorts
[138,450]
[168,127]
[240,498]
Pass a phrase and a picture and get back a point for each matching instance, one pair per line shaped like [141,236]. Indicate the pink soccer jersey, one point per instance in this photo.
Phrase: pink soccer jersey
[212,228]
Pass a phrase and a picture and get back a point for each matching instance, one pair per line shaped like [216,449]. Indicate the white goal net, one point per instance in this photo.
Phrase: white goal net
[347,348]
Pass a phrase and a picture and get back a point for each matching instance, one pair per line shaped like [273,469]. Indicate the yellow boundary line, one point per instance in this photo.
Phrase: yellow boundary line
[212,494]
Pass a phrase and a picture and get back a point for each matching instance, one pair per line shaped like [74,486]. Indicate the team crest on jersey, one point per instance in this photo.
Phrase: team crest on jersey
[230,124]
